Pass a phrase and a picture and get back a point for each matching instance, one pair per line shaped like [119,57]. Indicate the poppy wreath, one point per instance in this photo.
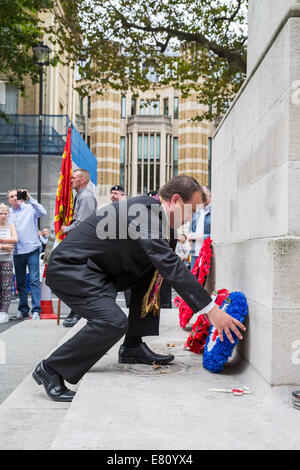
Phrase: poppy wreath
[200,331]
[200,271]
[217,352]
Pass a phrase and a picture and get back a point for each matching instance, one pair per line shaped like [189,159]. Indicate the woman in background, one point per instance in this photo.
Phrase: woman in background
[8,237]
[183,249]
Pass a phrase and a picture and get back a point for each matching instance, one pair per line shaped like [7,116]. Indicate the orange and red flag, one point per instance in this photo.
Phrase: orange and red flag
[64,195]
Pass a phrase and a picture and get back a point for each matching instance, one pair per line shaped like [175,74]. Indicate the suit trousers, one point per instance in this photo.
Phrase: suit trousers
[106,324]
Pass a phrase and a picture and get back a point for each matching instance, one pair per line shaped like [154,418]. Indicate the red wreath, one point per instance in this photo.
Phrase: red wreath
[200,271]
[200,331]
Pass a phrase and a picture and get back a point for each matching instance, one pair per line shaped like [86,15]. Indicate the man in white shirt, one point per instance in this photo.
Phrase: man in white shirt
[200,227]
[24,214]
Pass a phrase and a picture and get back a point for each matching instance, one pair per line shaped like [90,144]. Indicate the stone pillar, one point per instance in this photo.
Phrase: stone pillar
[105,131]
[256,195]
[192,140]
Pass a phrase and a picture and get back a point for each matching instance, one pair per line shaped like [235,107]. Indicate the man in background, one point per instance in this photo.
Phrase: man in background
[43,236]
[24,215]
[85,204]
[200,227]
[117,193]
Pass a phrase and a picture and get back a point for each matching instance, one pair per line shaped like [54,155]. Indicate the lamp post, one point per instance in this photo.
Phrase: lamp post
[41,54]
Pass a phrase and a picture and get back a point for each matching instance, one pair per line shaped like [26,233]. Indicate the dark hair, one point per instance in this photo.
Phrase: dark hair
[183,185]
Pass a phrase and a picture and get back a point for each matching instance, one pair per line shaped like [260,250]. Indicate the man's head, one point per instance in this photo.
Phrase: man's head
[12,198]
[181,196]
[117,193]
[45,232]
[80,178]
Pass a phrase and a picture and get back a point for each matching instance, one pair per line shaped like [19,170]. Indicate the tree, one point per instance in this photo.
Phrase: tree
[20,29]
[195,45]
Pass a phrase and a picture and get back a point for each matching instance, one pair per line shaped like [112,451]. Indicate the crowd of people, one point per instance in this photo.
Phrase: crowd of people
[86,271]
[135,253]
[21,244]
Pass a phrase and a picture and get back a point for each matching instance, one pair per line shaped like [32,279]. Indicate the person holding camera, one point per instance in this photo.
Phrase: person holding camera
[24,213]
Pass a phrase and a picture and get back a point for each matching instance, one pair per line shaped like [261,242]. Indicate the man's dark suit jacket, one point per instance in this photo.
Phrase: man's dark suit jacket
[77,265]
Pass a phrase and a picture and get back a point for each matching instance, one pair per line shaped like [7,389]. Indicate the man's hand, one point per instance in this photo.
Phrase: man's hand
[62,228]
[225,323]
[27,196]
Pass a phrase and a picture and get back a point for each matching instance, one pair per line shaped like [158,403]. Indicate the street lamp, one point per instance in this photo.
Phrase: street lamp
[41,54]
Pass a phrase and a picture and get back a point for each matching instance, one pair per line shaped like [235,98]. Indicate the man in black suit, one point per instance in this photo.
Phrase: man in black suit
[125,245]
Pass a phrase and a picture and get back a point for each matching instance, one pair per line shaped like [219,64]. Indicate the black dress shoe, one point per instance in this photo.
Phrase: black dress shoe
[71,321]
[142,355]
[53,384]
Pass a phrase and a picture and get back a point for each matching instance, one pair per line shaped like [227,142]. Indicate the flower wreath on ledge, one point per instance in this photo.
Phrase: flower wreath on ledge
[217,352]
[200,271]
[200,331]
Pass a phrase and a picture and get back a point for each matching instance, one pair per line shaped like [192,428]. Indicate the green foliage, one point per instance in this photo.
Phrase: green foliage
[20,29]
[192,44]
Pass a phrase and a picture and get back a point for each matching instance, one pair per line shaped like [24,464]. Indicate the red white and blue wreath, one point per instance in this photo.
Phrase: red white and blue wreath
[217,352]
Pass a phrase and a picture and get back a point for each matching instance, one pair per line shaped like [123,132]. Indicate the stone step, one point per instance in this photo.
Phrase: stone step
[122,406]
[29,420]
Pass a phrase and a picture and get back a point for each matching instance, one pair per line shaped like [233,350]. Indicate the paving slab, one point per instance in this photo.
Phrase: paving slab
[128,406]
[121,406]
[25,344]
[29,420]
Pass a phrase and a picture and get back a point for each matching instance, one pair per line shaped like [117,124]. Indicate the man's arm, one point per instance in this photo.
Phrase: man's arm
[175,272]
[184,282]
[39,210]
[85,207]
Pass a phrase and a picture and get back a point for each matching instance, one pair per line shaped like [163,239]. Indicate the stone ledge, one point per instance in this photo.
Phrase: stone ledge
[293,12]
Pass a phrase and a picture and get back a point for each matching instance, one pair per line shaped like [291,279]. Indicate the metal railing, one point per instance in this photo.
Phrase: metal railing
[21,134]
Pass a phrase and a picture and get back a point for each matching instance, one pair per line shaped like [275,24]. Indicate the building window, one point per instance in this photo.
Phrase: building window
[10,99]
[175,156]
[88,141]
[128,166]
[166,106]
[176,107]
[148,158]
[81,106]
[123,107]
[155,107]
[149,107]
[133,106]
[122,161]
[209,161]
[89,106]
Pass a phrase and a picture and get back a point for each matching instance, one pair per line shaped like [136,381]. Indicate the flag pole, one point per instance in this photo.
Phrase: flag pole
[58,311]
[63,205]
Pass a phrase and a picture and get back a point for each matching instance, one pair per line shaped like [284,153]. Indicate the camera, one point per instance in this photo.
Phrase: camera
[22,195]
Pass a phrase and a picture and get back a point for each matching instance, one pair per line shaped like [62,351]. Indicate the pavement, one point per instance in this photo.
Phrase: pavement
[136,407]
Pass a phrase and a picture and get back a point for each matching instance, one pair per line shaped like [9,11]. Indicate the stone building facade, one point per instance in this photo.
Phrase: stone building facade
[141,142]
[256,203]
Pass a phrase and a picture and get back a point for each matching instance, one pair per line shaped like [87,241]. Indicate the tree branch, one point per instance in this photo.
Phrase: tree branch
[225,53]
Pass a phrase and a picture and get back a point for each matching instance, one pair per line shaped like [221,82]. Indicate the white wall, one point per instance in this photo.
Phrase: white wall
[264,18]
[256,201]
